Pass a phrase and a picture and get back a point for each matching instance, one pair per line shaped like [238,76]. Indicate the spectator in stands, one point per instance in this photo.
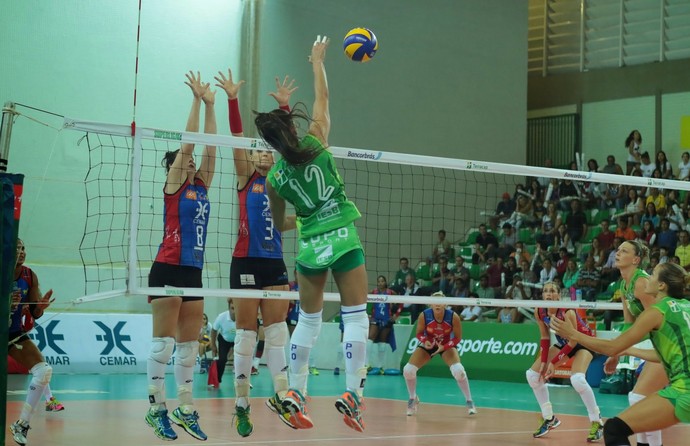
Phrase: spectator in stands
[589,280]
[484,291]
[517,290]
[651,215]
[646,165]
[632,144]
[658,199]
[683,249]
[663,255]
[442,247]
[527,273]
[674,259]
[611,167]
[544,181]
[562,262]
[459,270]
[571,275]
[548,272]
[562,240]
[667,237]
[634,207]
[549,223]
[605,237]
[472,313]
[524,213]
[410,288]
[612,196]
[647,234]
[623,231]
[551,194]
[653,262]
[496,272]
[485,245]
[541,253]
[509,238]
[566,193]
[609,272]
[674,213]
[597,253]
[442,279]
[576,222]
[426,272]
[520,253]
[535,190]
[511,269]
[504,209]
[399,278]
[663,165]
[508,315]
[460,288]
[684,167]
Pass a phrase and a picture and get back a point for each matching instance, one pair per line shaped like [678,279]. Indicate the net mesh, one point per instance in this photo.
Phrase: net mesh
[404,200]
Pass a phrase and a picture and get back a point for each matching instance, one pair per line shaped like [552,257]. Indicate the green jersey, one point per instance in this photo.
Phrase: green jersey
[628,292]
[315,190]
[672,340]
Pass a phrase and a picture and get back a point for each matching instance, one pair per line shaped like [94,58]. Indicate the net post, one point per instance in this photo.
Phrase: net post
[135,204]
[8,112]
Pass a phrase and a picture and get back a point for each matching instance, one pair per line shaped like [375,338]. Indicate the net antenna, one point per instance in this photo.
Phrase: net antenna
[391,226]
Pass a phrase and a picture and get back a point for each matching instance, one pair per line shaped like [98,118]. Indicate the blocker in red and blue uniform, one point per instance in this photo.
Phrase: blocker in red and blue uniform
[257,237]
[185,223]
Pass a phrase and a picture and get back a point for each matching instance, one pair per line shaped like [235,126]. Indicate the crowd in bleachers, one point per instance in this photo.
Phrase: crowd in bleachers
[564,231]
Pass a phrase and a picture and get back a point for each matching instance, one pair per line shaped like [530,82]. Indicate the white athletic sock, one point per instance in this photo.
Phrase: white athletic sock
[634,398]
[301,343]
[410,374]
[541,393]
[48,394]
[35,392]
[356,327]
[382,354]
[581,386]
[458,372]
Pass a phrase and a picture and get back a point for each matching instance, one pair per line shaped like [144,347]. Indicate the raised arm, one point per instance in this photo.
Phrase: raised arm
[208,158]
[243,165]
[283,92]
[178,170]
[320,127]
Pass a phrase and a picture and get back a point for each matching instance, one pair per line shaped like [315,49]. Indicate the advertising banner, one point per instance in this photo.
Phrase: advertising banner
[94,343]
[494,352]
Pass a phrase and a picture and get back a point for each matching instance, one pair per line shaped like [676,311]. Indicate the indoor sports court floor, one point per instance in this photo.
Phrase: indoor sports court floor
[105,410]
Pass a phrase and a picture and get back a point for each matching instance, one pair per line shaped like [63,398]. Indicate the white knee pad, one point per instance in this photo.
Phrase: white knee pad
[356,326]
[458,372]
[410,371]
[533,378]
[634,398]
[185,353]
[245,342]
[579,382]
[276,335]
[161,349]
[42,373]
[307,330]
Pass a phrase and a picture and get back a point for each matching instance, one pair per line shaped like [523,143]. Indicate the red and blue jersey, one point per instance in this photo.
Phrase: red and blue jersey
[257,236]
[582,326]
[381,311]
[185,221]
[438,332]
[23,283]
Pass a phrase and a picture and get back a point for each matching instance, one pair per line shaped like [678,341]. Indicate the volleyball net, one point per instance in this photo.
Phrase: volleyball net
[404,200]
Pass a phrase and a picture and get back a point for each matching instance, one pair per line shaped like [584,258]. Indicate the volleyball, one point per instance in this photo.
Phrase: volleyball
[360,44]
[205,340]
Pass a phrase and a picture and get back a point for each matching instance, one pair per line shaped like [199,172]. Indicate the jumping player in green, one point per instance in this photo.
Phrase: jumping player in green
[307,178]
[667,322]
